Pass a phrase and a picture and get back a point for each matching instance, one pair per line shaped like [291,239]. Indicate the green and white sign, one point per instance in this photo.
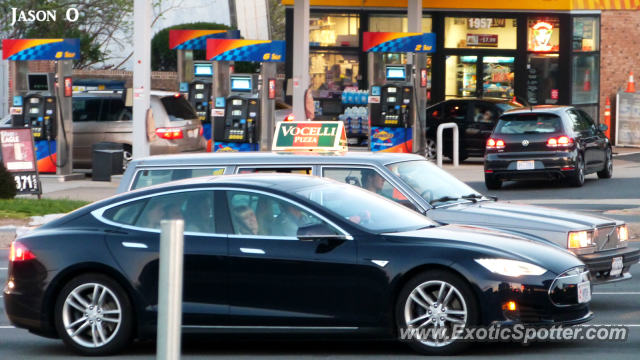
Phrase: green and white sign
[310,135]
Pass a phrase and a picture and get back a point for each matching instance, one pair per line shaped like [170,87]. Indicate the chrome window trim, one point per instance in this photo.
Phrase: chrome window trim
[98,213]
[170,167]
[293,166]
[386,176]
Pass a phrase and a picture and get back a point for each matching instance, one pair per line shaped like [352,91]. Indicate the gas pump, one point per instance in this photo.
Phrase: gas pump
[40,115]
[241,113]
[200,97]
[244,104]
[397,96]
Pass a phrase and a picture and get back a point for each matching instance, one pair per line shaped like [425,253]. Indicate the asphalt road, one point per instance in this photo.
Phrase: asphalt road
[612,304]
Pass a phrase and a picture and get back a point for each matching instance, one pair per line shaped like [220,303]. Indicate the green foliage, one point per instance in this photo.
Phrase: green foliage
[277,18]
[22,208]
[7,184]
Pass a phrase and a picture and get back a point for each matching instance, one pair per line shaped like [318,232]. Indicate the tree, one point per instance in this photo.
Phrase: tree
[277,19]
[101,25]
[7,184]
[165,59]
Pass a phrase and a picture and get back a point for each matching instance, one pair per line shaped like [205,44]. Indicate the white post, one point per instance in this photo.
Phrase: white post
[170,289]
[141,75]
[300,57]
[455,143]
[414,21]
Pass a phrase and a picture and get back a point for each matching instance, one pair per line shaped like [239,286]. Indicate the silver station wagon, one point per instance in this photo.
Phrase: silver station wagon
[411,180]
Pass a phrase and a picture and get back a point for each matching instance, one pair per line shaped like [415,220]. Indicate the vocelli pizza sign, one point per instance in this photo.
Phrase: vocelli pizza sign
[310,135]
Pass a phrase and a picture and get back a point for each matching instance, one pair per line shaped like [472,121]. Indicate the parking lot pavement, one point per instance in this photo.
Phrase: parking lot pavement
[615,304]
[85,190]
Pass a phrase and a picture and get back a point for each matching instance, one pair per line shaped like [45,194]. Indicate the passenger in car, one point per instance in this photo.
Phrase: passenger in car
[247,224]
[288,222]
[197,216]
[372,181]
[151,216]
[265,216]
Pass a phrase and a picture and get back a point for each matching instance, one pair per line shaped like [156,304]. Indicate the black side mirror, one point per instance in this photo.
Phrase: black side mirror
[603,127]
[316,232]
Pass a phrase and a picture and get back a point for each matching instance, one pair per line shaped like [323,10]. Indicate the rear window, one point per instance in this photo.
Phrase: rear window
[146,178]
[529,124]
[178,108]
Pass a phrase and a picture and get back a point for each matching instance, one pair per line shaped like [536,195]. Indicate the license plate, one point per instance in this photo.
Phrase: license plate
[616,267]
[584,292]
[526,165]
[192,133]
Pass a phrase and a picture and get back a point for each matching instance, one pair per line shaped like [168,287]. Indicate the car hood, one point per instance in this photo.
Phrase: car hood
[492,213]
[492,244]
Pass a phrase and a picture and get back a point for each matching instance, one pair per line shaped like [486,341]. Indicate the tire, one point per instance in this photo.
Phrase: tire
[127,156]
[431,149]
[578,179]
[436,284]
[95,336]
[492,184]
[607,172]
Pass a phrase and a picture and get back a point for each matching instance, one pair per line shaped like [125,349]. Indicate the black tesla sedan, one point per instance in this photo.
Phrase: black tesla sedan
[282,254]
[547,143]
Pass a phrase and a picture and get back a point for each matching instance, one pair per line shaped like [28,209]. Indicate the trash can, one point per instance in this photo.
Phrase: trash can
[107,160]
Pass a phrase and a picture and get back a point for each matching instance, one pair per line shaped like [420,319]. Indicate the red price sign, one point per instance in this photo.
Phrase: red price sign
[272,88]
[68,87]
[554,94]
[482,40]
[423,78]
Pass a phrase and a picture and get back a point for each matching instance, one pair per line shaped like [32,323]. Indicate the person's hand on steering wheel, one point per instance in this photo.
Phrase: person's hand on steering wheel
[362,218]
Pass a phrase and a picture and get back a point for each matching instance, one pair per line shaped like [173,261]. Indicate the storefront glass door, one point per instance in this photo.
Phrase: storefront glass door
[461,78]
[497,76]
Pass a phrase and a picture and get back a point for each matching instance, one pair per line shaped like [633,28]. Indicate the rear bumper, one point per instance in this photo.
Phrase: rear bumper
[600,263]
[548,167]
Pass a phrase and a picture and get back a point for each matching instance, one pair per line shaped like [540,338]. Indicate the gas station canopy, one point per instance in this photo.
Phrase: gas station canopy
[486,4]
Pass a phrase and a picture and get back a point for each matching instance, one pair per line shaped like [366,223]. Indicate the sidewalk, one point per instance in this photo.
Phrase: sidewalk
[85,190]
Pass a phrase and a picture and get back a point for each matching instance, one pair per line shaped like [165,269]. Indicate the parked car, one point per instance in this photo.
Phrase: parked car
[104,117]
[475,117]
[285,254]
[547,143]
[284,112]
[411,180]
[5,121]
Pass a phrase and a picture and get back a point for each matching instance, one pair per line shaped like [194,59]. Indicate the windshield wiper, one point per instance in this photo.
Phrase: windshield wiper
[443,199]
[472,197]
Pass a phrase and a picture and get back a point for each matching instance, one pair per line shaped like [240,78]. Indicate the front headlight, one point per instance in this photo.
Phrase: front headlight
[580,239]
[511,267]
[623,233]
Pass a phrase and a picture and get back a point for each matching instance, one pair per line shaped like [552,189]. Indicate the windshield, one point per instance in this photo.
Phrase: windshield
[432,183]
[528,124]
[371,212]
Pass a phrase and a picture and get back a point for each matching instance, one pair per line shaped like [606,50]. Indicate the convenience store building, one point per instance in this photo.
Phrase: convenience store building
[547,52]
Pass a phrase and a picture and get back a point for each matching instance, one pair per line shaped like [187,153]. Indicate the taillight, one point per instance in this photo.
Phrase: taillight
[289,118]
[561,141]
[169,133]
[495,144]
[20,252]
[201,130]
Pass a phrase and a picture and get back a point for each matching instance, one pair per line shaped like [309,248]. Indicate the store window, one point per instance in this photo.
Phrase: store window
[586,34]
[334,30]
[397,23]
[460,78]
[586,75]
[542,79]
[498,76]
[543,34]
[480,33]
[332,71]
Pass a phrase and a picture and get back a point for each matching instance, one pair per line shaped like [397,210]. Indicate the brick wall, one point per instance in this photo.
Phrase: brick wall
[620,53]
[160,80]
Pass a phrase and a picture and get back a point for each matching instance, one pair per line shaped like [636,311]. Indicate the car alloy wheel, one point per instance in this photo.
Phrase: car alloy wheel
[91,315]
[94,315]
[607,172]
[438,306]
[578,179]
[431,150]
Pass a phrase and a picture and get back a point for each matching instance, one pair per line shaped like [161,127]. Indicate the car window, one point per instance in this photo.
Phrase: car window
[435,113]
[178,108]
[367,179]
[369,212]
[528,124]
[194,207]
[507,106]
[125,214]
[587,120]
[455,111]
[115,110]
[144,178]
[258,214]
[86,109]
[282,170]
[484,114]
[578,124]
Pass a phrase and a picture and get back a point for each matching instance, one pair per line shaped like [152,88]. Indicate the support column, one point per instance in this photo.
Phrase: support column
[300,57]
[141,75]
[64,140]
[414,21]
[419,61]
[267,107]
[185,66]
[220,88]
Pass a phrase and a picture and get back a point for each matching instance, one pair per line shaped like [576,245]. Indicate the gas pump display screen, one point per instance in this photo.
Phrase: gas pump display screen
[391,90]
[199,96]
[391,99]
[236,113]
[203,70]
[236,102]
[396,73]
[37,82]
[34,110]
[34,101]
[199,86]
[240,84]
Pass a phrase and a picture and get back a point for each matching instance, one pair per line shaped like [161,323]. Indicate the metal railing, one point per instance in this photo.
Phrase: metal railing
[455,143]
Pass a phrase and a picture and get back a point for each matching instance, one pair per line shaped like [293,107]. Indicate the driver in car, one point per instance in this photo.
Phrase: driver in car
[288,222]
[372,181]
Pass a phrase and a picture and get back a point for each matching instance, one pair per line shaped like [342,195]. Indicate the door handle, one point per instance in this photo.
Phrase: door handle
[251,251]
[135,245]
